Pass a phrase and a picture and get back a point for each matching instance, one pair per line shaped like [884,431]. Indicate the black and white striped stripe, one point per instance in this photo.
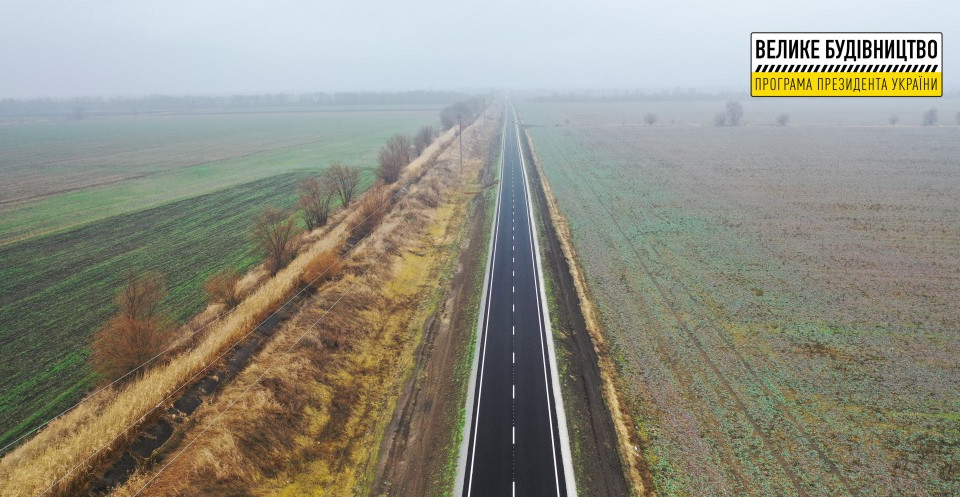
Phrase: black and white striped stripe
[847,68]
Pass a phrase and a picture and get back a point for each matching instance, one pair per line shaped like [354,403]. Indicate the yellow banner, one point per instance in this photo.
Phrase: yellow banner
[846,84]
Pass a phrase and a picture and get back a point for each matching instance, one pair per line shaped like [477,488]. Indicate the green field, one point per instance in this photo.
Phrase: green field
[780,301]
[56,289]
[61,174]
[83,201]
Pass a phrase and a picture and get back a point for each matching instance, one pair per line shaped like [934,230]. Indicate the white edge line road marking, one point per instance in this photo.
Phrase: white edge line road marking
[558,398]
[481,330]
[534,262]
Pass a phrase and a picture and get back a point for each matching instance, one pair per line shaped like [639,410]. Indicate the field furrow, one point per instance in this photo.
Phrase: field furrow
[779,317]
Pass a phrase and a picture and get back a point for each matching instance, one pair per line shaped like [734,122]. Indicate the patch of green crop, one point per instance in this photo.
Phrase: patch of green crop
[64,174]
[55,290]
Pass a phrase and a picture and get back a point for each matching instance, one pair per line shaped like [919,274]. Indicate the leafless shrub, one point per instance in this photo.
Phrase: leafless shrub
[930,117]
[138,331]
[221,288]
[894,119]
[314,203]
[274,233]
[734,113]
[783,119]
[720,119]
[422,140]
[343,180]
[394,156]
[650,118]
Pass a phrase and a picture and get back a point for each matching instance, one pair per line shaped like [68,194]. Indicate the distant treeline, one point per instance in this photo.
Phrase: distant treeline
[467,110]
[83,106]
[631,96]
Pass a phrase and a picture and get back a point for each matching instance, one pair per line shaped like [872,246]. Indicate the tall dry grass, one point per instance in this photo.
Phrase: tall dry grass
[59,459]
[323,268]
[306,417]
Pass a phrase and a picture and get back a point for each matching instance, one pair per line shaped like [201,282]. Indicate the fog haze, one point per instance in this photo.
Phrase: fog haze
[130,48]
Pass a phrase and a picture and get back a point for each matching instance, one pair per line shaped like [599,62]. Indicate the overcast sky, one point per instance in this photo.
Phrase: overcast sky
[134,47]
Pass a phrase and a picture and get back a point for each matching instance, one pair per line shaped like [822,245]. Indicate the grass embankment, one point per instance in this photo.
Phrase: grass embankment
[444,482]
[419,451]
[56,289]
[308,415]
[83,440]
[636,471]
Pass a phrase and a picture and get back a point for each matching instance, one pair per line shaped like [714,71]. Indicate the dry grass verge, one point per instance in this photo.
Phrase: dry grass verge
[307,416]
[60,459]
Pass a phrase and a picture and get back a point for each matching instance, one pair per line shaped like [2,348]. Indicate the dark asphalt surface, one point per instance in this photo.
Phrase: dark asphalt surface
[514,446]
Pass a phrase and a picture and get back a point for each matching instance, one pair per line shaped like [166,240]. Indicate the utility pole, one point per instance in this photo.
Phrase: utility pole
[460,121]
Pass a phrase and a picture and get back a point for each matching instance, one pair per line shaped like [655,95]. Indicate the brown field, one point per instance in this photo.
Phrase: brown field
[780,302]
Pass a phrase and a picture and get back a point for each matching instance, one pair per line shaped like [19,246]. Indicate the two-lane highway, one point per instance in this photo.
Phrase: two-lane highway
[517,441]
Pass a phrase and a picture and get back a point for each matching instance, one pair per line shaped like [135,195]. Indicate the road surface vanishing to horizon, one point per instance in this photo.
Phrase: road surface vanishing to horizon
[517,443]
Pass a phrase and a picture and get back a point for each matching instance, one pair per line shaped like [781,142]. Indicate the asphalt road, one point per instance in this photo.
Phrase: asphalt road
[514,446]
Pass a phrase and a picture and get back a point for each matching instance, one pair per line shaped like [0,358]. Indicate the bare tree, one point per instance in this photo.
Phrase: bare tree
[394,156]
[221,288]
[422,140]
[734,113]
[650,118]
[894,119]
[343,180]
[720,119]
[138,332]
[930,117]
[465,110]
[783,119]
[274,233]
[314,201]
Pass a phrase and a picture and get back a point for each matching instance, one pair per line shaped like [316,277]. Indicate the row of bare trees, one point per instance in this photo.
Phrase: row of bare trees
[464,111]
[399,150]
[140,330]
[317,193]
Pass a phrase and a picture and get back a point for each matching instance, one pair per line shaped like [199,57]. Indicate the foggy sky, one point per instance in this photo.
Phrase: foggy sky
[135,47]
